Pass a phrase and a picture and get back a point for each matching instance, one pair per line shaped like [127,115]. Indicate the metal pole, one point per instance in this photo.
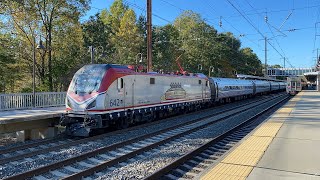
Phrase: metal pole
[284,62]
[34,73]
[136,66]
[317,56]
[149,36]
[265,57]
[92,54]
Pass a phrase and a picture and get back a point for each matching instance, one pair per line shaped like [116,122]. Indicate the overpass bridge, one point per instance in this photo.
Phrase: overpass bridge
[310,75]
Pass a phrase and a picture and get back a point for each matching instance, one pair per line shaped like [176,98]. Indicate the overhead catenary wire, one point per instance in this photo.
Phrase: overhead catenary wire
[255,28]
[284,55]
[212,8]
[142,9]
[210,21]
[245,18]
[270,12]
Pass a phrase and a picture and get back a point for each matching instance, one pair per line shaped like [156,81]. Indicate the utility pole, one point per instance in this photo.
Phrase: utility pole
[149,36]
[284,62]
[265,56]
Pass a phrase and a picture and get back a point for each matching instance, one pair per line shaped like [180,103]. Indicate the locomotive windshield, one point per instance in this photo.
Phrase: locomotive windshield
[87,79]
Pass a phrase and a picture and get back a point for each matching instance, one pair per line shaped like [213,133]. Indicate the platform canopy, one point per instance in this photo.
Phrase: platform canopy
[312,76]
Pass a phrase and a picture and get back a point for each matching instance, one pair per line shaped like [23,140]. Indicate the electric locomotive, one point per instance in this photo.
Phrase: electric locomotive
[103,95]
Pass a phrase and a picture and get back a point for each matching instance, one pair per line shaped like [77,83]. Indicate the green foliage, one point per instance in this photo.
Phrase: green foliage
[97,34]
[9,69]
[166,48]
[276,66]
[117,35]
[43,20]
[126,36]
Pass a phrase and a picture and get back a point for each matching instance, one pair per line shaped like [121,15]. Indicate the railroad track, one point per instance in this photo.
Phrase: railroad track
[19,152]
[191,165]
[109,156]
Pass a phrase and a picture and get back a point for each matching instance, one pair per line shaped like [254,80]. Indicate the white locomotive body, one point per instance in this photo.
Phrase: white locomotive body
[102,95]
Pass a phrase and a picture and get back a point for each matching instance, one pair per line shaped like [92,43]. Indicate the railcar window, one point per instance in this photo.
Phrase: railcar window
[199,81]
[120,83]
[87,79]
[152,81]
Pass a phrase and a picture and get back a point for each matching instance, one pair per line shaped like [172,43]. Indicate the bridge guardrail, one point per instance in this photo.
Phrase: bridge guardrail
[25,100]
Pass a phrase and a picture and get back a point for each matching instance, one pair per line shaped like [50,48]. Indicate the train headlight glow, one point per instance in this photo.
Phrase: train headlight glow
[92,105]
[69,103]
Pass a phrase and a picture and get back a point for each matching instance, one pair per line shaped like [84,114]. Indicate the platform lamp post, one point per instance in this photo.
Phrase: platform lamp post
[40,46]
[199,67]
[211,70]
[140,61]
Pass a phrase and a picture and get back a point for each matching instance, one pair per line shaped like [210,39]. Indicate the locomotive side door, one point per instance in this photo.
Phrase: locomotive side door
[128,93]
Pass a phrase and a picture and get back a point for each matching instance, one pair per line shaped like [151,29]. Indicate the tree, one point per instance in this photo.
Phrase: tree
[9,70]
[276,66]
[197,39]
[125,36]
[41,17]
[166,48]
[142,30]
[250,63]
[97,34]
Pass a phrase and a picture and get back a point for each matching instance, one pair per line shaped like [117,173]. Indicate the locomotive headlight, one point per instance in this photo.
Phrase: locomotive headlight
[69,103]
[92,105]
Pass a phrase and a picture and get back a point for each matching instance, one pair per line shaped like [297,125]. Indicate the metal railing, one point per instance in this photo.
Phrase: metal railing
[25,100]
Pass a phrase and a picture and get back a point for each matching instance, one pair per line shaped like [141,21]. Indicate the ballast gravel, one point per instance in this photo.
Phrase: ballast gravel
[11,169]
[166,154]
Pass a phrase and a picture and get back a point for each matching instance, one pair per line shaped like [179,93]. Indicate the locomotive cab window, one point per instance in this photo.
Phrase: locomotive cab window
[152,81]
[120,83]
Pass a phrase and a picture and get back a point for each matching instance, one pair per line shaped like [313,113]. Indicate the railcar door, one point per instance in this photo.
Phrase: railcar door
[293,85]
[217,92]
[213,90]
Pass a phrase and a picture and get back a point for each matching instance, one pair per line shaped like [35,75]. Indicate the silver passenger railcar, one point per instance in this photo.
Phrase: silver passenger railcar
[232,89]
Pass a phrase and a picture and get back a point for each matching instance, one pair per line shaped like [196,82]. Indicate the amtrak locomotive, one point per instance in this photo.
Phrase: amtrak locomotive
[103,95]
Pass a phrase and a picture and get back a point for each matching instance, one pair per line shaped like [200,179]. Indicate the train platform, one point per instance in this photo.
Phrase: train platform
[30,121]
[285,147]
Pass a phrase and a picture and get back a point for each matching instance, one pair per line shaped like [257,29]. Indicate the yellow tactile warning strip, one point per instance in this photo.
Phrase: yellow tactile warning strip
[240,162]
[268,129]
[229,171]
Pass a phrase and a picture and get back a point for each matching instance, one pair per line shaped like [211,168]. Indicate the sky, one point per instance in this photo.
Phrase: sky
[292,28]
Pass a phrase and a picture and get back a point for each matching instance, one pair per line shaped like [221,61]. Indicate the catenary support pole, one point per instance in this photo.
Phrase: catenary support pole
[149,36]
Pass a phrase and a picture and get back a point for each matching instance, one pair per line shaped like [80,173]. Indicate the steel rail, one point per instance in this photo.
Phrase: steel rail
[84,140]
[65,162]
[161,172]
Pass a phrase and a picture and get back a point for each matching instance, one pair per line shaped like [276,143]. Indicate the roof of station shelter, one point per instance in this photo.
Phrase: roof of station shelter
[244,76]
[312,73]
